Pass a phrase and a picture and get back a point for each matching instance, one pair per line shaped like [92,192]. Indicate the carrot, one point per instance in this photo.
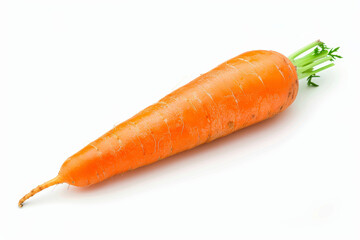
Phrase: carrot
[244,90]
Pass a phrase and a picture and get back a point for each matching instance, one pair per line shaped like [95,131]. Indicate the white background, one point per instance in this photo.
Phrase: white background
[71,70]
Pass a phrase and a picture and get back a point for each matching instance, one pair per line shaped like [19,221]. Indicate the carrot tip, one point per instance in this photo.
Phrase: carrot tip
[39,188]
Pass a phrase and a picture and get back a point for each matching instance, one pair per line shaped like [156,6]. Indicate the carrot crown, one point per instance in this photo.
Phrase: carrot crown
[318,59]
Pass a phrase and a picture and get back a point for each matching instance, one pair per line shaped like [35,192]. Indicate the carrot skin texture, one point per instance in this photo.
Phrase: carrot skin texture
[246,89]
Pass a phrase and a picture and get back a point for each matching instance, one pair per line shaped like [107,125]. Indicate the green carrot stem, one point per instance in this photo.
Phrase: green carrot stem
[314,63]
[304,49]
[312,72]
[305,61]
[308,66]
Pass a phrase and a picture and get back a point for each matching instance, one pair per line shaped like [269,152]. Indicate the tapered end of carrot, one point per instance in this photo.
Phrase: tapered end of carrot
[39,188]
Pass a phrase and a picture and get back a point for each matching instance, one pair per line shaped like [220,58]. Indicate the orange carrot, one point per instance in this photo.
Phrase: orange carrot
[244,90]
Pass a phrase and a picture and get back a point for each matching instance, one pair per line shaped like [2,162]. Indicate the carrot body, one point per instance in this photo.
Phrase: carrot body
[247,89]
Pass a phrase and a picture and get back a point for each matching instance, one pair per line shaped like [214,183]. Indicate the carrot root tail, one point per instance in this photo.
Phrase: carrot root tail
[39,188]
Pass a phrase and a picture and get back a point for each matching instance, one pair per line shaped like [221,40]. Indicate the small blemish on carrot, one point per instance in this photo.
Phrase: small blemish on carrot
[253,116]
[208,137]
[208,118]
[230,124]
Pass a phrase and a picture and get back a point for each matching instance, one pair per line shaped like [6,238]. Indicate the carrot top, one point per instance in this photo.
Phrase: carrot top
[308,65]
